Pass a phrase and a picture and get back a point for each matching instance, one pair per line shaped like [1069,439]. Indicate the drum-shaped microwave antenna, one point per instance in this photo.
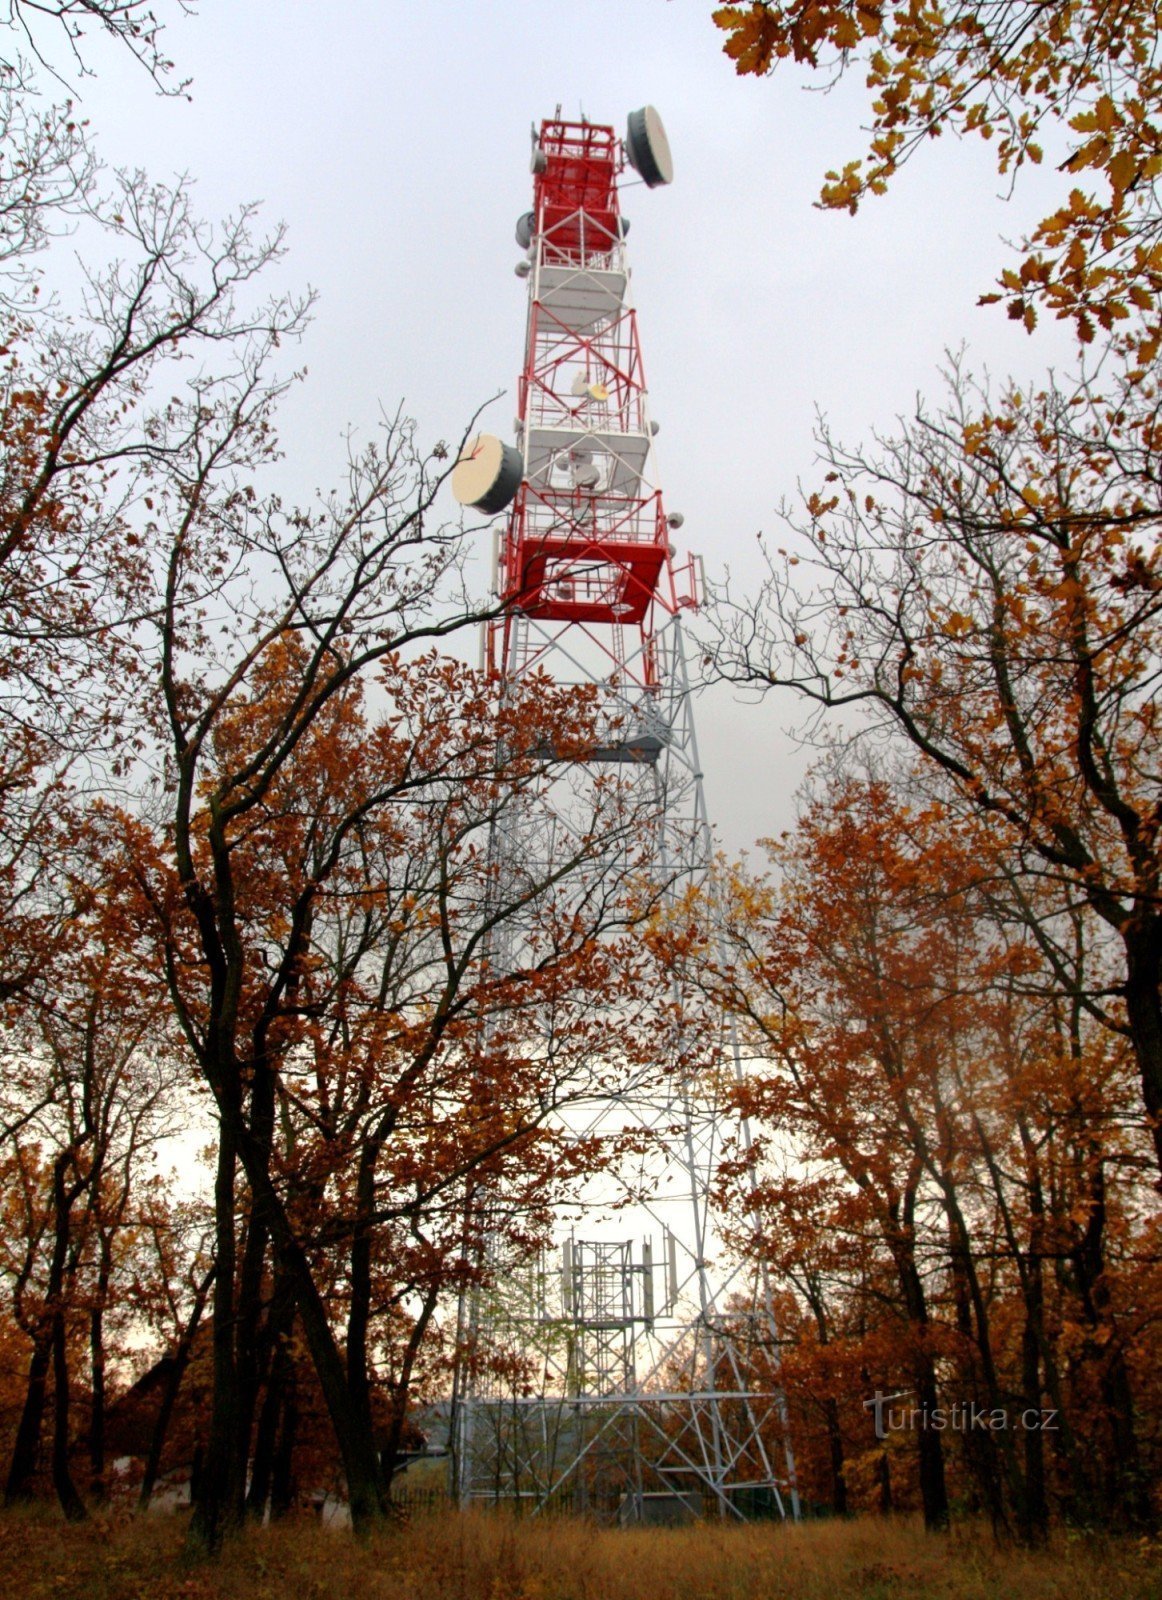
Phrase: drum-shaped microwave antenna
[584,389]
[647,147]
[487,474]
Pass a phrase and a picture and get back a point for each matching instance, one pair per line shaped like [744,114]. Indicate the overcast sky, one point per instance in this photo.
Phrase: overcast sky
[392,138]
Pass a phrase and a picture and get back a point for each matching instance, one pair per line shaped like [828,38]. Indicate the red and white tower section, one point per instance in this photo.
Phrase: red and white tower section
[586,563]
[648,1393]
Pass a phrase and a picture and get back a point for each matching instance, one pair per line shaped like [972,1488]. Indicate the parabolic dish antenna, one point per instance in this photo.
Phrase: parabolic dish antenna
[648,148]
[487,474]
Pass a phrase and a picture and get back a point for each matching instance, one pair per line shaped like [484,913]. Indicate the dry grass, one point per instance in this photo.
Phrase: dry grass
[493,1558]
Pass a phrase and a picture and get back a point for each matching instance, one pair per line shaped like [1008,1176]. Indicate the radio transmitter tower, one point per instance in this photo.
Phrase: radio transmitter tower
[648,1345]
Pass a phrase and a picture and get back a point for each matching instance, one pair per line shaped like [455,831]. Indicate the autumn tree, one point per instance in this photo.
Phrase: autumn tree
[985,586]
[92,1086]
[920,1083]
[79,369]
[817,1244]
[352,581]
[306,799]
[80,436]
[476,1004]
[285,794]
[1027,77]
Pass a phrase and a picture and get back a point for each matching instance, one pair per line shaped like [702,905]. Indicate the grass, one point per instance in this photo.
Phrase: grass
[481,1557]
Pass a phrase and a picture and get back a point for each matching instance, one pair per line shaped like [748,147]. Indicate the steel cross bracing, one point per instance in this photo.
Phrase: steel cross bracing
[632,1346]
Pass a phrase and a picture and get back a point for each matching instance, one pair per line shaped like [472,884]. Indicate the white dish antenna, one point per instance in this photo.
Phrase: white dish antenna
[647,148]
[487,474]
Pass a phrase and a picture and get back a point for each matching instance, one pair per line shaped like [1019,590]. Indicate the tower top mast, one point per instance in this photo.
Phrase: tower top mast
[586,550]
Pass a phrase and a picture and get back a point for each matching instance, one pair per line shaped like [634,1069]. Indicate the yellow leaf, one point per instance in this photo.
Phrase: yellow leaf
[957,625]
[1106,114]
[1123,169]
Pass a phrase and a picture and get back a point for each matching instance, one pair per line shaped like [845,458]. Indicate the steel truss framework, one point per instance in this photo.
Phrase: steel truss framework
[637,1355]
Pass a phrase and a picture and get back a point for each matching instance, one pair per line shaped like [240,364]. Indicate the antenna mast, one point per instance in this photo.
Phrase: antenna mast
[649,1406]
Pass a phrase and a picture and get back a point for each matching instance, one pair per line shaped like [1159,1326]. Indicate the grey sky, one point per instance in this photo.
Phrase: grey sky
[392,137]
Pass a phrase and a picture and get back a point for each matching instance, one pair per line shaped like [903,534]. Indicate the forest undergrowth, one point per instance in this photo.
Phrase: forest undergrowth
[481,1557]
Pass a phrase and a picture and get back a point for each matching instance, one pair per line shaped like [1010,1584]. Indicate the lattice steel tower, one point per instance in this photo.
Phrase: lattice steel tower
[647,1402]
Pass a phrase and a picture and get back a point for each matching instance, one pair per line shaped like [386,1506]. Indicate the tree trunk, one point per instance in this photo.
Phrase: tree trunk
[359,1306]
[282,1482]
[174,1378]
[1143,946]
[26,1447]
[249,1339]
[999,1449]
[978,1448]
[365,1489]
[218,1507]
[1129,1490]
[353,1433]
[265,1440]
[97,1373]
[901,1241]
[1033,1513]
[402,1387]
[884,1479]
[1127,1496]
[97,1485]
[71,1502]
[281,1328]
[835,1451]
[933,1491]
